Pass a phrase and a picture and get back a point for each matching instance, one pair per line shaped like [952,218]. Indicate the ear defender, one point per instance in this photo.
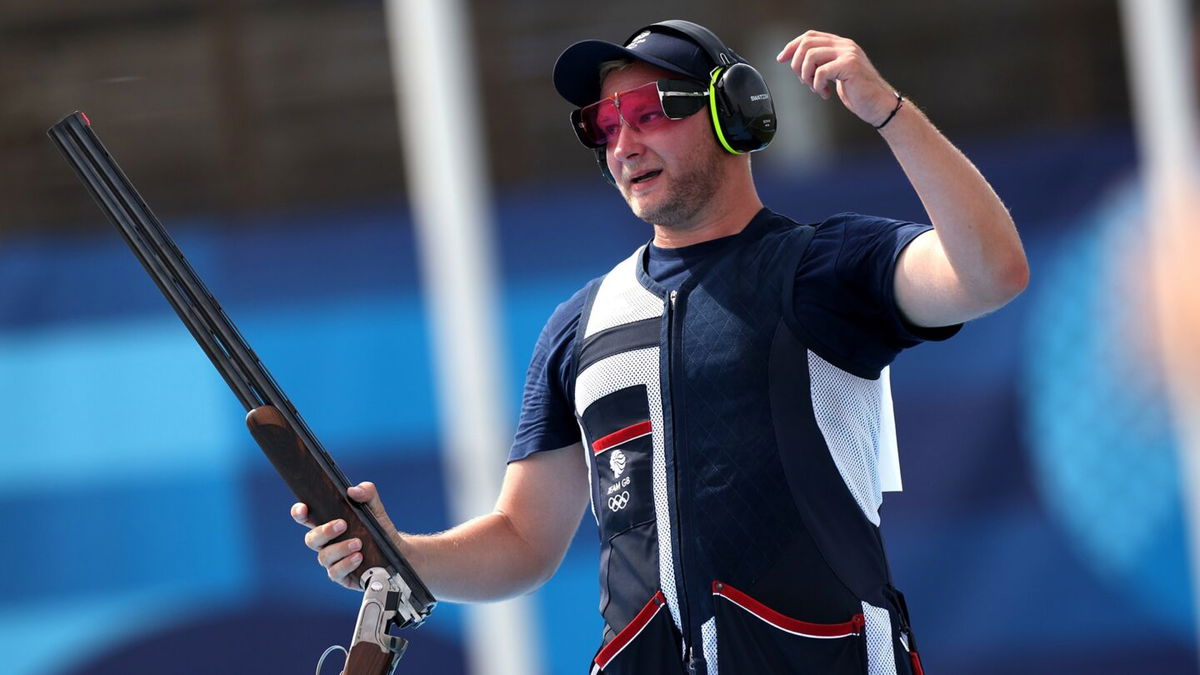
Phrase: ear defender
[743,113]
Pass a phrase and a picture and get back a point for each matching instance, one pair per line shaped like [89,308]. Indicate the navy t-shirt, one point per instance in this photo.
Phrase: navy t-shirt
[844,285]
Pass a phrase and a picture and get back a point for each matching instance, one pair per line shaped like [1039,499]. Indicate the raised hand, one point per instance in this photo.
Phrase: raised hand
[826,62]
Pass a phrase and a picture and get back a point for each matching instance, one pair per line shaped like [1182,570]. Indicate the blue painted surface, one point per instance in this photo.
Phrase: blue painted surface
[1098,422]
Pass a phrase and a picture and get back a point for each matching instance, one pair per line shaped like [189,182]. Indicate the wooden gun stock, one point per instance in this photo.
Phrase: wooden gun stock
[366,658]
[309,482]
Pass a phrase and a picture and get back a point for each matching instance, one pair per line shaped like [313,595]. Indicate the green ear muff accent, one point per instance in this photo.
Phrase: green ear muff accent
[712,105]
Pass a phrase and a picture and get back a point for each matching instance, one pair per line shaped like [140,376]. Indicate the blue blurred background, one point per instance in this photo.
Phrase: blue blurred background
[1040,530]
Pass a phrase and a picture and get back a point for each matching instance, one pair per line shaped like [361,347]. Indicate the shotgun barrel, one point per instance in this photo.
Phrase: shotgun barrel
[287,441]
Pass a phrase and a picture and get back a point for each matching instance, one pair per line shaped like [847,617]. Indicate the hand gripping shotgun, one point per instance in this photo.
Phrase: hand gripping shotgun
[393,594]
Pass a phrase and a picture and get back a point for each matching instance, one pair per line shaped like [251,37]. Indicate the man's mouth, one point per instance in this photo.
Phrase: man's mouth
[643,177]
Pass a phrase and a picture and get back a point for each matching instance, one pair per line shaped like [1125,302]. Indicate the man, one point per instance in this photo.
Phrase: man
[726,378]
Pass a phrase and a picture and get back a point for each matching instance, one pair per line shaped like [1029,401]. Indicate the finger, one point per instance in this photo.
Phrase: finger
[300,514]
[822,76]
[319,536]
[368,493]
[332,554]
[798,59]
[812,60]
[363,492]
[821,35]
[342,571]
[815,38]
[807,40]
[789,49]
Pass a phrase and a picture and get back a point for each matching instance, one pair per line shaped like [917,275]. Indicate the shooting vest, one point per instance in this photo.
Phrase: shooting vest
[735,538]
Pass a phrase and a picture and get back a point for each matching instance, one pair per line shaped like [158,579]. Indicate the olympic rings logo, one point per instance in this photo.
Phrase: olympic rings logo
[618,502]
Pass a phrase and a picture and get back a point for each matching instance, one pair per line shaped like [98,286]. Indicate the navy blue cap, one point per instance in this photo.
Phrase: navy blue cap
[577,71]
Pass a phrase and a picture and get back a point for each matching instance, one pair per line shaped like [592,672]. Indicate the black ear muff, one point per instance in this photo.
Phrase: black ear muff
[743,114]
[742,111]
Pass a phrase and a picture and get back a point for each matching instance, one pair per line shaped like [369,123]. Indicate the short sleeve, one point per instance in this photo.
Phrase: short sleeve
[844,298]
[547,419]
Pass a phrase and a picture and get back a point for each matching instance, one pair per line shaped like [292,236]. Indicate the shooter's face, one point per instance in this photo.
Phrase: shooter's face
[667,172]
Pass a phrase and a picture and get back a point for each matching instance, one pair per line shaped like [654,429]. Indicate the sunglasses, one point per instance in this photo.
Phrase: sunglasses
[642,108]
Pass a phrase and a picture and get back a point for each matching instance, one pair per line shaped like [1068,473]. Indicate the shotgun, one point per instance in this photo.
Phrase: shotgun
[393,594]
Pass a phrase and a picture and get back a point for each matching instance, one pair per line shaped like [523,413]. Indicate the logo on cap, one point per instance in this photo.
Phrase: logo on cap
[638,40]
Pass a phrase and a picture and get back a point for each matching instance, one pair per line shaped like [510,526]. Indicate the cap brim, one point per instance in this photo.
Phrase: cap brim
[577,71]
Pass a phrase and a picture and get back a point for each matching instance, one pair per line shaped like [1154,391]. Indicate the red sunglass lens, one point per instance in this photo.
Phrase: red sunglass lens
[600,121]
[640,108]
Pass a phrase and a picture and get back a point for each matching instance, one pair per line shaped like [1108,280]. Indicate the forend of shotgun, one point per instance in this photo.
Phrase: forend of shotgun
[311,483]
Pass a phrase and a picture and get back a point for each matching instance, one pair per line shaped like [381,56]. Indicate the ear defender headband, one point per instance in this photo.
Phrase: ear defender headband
[740,105]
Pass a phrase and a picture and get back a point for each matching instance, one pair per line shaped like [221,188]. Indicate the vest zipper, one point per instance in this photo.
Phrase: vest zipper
[681,592]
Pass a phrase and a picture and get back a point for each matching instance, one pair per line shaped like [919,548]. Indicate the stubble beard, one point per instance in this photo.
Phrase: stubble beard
[688,194]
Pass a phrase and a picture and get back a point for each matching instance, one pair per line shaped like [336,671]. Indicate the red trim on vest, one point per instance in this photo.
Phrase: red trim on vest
[618,437]
[916,664]
[628,633]
[820,630]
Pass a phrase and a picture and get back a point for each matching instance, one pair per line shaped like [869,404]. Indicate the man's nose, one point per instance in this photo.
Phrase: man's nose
[628,143]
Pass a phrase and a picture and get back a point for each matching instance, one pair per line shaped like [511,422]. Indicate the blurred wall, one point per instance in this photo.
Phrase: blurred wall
[232,107]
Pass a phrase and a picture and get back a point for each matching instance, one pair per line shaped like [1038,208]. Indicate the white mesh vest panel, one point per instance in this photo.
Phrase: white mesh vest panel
[620,300]
[850,412]
[881,658]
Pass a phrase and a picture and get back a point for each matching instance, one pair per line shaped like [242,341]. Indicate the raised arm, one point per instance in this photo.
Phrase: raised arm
[972,262]
[510,551]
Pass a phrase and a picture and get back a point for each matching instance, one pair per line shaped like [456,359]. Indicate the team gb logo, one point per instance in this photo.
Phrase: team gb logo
[617,463]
